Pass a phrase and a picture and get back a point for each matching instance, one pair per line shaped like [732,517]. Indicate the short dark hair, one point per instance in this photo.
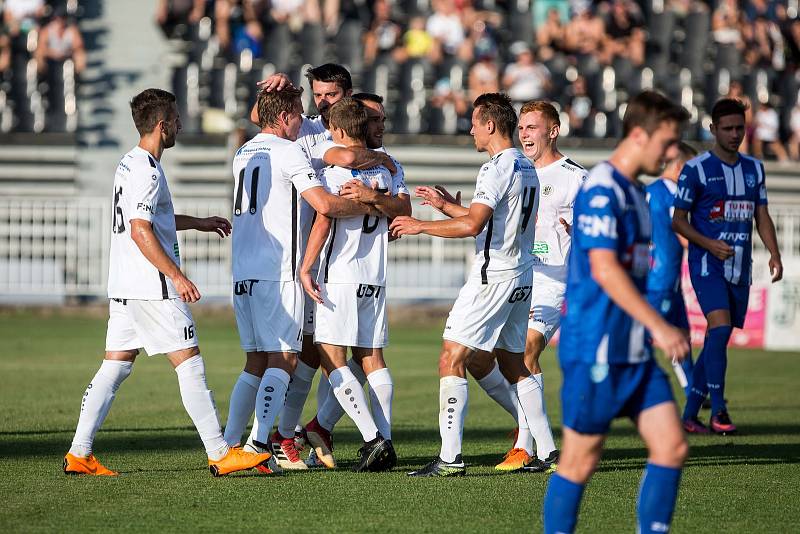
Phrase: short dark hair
[351,116]
[330,73]
[727,106]
[149,107]
[686,151]
[368,97]
[648,110]
[547,110]
[272,104]
[497,107]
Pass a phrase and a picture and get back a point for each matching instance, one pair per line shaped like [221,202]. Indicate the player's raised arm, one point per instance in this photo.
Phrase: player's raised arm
[386,203]
[142,234]
[220,225]
[358,158]
[441,200]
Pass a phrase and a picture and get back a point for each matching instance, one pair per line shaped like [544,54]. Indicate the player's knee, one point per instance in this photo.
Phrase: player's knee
[480,367]
[452,362]
[671,453]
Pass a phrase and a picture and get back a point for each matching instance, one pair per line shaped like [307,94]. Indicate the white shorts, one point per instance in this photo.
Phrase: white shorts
[269,315]
[547,304]
[158,326]
[491,316]
[353,315]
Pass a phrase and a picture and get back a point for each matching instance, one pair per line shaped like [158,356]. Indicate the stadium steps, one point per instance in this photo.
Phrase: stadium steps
[37,170]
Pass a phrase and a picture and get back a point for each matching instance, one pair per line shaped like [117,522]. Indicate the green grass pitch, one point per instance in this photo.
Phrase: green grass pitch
[747,483]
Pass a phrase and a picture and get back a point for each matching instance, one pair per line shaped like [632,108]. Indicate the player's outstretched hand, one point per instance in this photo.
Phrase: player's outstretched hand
[276,82]
[720,249]
[672,341]
[776,268]
[220,225]
[567,226]
[311,287]
[186,288]
[405,226]
[447,196]
[358,191]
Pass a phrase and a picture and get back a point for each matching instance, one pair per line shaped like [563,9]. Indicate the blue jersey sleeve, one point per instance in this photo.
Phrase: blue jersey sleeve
[596,213]
[762,186]
[688,186]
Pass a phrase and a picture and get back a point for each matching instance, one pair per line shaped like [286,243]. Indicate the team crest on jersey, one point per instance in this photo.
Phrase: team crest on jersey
[547,190]
[750,180]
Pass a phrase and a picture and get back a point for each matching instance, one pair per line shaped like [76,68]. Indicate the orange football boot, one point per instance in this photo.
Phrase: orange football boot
[238,460]
[75,465]
[514,460]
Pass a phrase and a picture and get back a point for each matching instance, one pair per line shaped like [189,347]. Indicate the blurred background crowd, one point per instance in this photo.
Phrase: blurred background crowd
[431,58]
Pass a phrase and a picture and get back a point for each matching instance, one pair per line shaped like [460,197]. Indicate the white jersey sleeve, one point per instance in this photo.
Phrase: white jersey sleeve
[141,192]
[315,140]
[508,184]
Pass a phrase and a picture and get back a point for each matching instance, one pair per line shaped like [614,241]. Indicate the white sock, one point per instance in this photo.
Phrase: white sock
[453,396]
[531,406]
[269,401]
[381,391]
[97,402]
[351,396]
[296,396]
[498,388]
[243,399]
[199,404]
[323,391]
[331,411]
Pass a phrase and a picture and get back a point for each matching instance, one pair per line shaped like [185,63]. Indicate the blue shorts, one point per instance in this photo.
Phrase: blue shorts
[716,293]
[671,306]
[594,395]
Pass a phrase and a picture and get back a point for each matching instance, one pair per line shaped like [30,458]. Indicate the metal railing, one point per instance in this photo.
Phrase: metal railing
[58,248]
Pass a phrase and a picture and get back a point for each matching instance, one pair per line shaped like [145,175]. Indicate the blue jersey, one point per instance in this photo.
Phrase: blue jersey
[666,251]
[610,213]
[721,200]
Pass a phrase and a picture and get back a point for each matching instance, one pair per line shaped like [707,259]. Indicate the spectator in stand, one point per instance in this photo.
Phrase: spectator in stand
[764,45]
[484,75]
[383,34]
[794,128]
[445,95]
[171,15]
[481,40]
[524,79]
[578,107]
[736,90]
[59,40]
[550,36]
[445,26]
[767,131]
[727,23]
[625,36]
[585,33]
[5,51]
[790,30]
[417,43]
[754,9]
[22,16]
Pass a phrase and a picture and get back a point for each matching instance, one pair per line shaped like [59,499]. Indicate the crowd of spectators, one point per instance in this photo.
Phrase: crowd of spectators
[38,38]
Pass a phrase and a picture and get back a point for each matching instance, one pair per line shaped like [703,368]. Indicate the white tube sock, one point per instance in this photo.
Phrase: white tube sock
[381,391]
[498,388]
[96,403]
[350,395]
[531,403]
[296,395]
[269,401]
[453,396]
[199,404]
[243,399]
[331,411]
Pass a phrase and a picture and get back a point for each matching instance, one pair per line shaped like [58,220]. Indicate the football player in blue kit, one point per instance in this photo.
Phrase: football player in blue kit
[606,351]
[724,191]
[666,253]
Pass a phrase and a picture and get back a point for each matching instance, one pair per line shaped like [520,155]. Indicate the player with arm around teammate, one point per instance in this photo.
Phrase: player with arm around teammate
[491,311]
[149,293]
[724,191]
[605,350]
[271,175]
[350,296]
[664,291]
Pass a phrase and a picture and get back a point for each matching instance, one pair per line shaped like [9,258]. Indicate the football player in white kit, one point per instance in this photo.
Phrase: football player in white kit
[271,175]
[149,293]
[350,296]
[491,311]
[370,370]
[329,84]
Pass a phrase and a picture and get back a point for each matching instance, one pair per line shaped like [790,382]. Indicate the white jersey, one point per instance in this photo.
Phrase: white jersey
[398,178]
[560,182]
[140,192]
[270,174]
[356,249]
[508,184]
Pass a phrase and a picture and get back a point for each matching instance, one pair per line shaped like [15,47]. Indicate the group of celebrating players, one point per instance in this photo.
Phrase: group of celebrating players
[317,202]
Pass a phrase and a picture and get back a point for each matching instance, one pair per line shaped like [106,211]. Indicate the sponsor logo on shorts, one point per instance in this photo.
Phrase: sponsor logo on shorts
[599,372]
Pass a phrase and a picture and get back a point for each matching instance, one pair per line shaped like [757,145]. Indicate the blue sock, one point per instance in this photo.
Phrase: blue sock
[657,494]
[697,388]
[562,500]
[716,352]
